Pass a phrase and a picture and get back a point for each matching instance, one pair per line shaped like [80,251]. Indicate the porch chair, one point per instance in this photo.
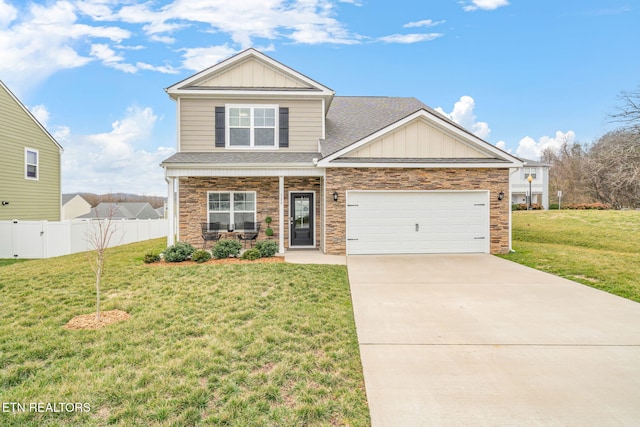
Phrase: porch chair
[250,233]
[210,232]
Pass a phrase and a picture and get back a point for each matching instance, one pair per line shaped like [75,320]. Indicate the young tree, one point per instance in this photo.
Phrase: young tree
[99,239]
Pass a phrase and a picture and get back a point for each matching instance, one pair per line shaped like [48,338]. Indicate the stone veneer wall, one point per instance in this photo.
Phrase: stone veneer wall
[343,179]
[193,202]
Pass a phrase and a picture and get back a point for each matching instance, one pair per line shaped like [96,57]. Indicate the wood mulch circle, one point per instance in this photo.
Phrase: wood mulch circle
[221,261]
[88,321]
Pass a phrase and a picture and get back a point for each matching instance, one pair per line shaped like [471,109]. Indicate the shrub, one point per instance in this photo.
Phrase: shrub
[267,248]
[151,257]
[524,207]
[269,232]
[179,252]
[226,248]
[587,206]
[201,256]
[251,254]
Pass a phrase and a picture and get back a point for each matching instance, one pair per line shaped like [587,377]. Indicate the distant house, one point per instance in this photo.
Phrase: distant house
[126,210]
[539,173]
[74,205]
[161,211]
[30,171]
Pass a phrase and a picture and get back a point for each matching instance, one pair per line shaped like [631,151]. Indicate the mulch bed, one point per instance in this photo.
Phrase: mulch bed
[221,261]
[88,321]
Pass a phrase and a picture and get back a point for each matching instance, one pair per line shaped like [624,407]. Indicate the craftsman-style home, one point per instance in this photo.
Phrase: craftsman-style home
[346,175]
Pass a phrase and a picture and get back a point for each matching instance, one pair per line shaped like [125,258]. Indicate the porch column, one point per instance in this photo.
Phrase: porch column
[171,214]
[281,213]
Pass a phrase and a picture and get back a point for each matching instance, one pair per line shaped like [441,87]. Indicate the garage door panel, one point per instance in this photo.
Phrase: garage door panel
[448,222]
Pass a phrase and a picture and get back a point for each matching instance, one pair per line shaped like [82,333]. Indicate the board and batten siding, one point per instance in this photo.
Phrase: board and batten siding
[417,139]
[197,123]
[28,199]
[253,74]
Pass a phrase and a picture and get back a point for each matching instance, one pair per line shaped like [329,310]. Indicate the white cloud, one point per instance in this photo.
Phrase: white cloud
[115,160]
[7,14]
[410,38]
[464,115]
[301,21]
[41,114]
[423,23]
[204,57]
[503,146]
[529,148]
[110,59]
[484,5]
[41,40]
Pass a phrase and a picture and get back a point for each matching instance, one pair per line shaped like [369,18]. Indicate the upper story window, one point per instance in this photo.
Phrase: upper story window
[530,171]
[252,126]
[31,167]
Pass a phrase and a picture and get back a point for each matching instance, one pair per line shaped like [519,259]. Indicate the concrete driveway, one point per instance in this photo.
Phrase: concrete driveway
[477,340]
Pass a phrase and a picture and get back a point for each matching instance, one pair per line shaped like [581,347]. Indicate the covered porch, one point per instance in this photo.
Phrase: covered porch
[294,198]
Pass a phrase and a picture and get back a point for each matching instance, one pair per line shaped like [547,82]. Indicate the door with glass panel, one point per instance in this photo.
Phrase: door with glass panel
[302,219]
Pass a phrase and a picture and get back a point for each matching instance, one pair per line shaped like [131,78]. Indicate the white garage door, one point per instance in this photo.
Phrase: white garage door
[390,222]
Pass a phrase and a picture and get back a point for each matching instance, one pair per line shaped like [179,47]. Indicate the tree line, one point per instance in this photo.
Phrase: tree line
[95,199]
[605,171]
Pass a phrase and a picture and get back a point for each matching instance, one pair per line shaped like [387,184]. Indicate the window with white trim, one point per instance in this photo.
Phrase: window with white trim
[530,171]
[31,168]
[252,126]
[232,208]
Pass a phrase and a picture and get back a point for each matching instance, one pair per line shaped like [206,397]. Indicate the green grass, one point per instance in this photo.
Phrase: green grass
[234,345]
[8,261]
[597,248]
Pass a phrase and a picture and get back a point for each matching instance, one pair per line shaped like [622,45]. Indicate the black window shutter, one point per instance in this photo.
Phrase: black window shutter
[220,126]
[284,127]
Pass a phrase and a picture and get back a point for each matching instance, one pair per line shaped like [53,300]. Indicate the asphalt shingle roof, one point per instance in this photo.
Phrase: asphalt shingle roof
[243,157]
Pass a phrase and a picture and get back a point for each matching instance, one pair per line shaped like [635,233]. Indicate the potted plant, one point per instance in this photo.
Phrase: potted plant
[269,230]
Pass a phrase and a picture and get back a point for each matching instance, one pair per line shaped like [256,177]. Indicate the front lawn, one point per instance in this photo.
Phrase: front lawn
[236,344]
[597,248]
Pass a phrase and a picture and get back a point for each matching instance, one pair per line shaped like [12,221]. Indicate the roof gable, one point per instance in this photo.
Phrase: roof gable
[419,139]
[250,71]
[422,137]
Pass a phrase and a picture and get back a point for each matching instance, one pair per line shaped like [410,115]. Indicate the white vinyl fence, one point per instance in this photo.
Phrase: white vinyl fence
[46,239]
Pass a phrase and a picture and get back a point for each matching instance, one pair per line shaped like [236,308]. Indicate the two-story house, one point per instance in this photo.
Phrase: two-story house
[347,175]
[539,186]
[31,164]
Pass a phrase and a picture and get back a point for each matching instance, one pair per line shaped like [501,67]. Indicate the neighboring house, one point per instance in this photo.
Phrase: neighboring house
[31,159]
[539,184]
[347,175]
[125,210]
[74,205]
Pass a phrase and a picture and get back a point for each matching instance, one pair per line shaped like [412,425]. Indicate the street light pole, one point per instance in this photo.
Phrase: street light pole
[530,194]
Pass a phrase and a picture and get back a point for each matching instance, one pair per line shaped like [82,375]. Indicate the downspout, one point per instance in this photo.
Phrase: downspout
[281,214]
[170,210]
[511,172]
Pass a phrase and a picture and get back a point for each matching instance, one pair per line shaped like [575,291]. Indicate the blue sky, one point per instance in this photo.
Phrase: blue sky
[524,75]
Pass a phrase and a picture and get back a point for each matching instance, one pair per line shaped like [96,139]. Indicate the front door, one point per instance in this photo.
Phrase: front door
[302,220]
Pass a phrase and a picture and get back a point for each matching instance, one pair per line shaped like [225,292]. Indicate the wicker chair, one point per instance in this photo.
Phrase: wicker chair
[210,232]
[250,233]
